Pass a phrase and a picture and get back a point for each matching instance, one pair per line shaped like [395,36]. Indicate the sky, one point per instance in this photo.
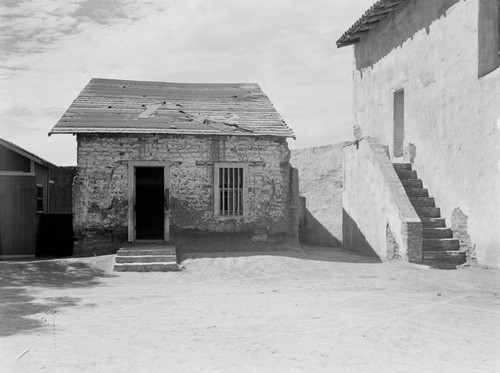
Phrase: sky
[50,49]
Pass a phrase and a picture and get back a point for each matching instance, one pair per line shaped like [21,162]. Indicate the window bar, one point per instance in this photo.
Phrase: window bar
[233,210]
[237,197]
[241,191]
[224,182]
[221,201]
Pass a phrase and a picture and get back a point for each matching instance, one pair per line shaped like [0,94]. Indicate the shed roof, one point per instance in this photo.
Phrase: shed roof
[25,153]
[377,12]
[126,106]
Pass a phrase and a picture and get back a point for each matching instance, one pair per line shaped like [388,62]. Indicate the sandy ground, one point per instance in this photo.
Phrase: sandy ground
[319,310]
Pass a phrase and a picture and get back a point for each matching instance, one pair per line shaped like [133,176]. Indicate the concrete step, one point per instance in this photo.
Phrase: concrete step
[402,166]
[440,244]
[443,259]
[146,267]
[429,233]
[423,201]
[428,212]
[406,174]
[145,258]
[131,251]
[412,183]
[433,222]
[417,192]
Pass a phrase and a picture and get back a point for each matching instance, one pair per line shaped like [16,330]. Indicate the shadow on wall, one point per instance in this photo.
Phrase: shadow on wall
[19,302]
[312,232]
[354,239]
[414,17]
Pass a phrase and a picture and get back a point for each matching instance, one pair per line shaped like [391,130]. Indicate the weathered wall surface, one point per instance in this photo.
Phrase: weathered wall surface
[378,218]
[320,175]
[451,115]
[100,191]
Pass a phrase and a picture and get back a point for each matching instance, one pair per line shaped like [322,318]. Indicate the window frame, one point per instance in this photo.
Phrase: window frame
[40,199]
[216,189]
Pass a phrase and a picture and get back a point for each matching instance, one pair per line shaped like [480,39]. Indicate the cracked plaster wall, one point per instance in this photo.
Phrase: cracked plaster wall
[452,116]
[101,185]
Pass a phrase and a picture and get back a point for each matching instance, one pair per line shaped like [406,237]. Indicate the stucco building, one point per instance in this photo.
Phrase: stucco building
[427,86]
[171,161]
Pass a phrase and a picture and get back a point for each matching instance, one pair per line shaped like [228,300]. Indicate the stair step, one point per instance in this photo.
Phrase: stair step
[406,174]
[428,212]
[429,233]
[423,201]
[168,250]
[402,166]
[433,222]
[440,244]
[412,183]
[443,259]
[145,258]
[417,192]
[146,267]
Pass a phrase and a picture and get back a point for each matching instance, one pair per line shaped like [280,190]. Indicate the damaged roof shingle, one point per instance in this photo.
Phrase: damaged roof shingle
[119,106]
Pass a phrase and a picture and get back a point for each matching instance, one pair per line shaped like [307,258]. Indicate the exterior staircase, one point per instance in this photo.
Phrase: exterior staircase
[439,248]
[146,258]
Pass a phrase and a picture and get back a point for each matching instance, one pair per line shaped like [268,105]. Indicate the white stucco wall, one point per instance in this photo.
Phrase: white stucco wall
[451,115]
[374,202]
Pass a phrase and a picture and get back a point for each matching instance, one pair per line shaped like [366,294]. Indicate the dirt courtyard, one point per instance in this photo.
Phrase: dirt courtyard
[316,310]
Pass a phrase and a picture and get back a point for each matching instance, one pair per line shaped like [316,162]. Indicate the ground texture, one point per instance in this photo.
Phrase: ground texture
[315,310]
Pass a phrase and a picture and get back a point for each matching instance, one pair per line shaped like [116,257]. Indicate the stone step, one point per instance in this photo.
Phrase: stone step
[436,233]
[423,201]
[433,222]
[428,212]
[402,166]
[146,267]
[412,183]
[417,192]
[406,174]
[440,244]
[145,258]
[144,251]
[443,259]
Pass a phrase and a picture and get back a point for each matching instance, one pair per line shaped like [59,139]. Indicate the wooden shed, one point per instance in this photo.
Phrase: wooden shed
[30,187]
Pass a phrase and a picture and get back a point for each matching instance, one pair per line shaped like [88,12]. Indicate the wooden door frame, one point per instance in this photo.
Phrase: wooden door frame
[132,165]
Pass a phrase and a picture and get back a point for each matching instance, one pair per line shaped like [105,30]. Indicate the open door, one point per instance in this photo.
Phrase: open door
[148,201]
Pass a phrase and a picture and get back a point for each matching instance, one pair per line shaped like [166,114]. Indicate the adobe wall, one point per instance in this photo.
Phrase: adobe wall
[321,177]
[451,116]
[100,191]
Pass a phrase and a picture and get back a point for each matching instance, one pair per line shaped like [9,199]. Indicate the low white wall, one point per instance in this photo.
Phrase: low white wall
[375,201]
[320,174]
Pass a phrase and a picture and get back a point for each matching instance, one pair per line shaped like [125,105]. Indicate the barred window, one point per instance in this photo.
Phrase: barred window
[230,189]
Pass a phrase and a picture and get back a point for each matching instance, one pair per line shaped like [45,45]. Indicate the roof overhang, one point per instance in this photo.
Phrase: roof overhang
[372,17]
[25,153]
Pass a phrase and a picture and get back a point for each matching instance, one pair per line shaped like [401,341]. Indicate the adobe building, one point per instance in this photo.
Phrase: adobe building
[426,97]
[169,161]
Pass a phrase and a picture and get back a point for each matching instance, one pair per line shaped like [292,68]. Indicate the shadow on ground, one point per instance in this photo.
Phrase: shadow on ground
[327,254]
[18,291]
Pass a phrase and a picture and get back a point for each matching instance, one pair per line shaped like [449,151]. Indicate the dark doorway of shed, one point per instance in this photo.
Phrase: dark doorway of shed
[149,207]
[399,123]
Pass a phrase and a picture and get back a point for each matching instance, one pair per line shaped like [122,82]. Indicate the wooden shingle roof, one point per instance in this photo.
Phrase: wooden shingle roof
[126,106]
[377,12]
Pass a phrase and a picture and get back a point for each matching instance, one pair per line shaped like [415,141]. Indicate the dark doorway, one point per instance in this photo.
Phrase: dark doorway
[399,123]
[149,206]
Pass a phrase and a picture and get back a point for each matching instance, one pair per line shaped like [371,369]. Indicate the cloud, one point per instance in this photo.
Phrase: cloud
[54,47]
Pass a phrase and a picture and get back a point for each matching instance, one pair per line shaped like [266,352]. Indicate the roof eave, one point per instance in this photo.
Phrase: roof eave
[127,131]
